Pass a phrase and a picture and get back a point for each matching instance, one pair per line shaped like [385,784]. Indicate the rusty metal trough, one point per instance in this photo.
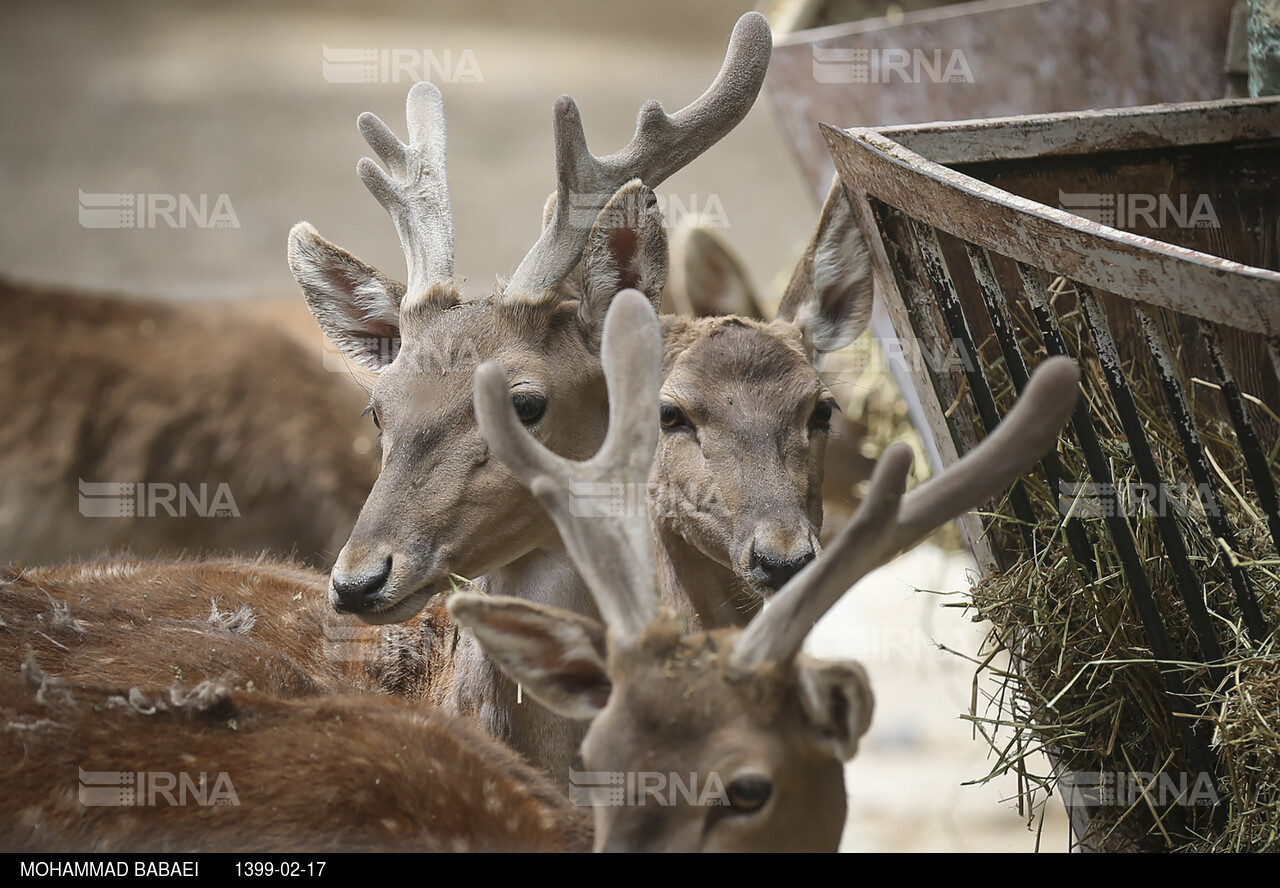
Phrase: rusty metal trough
[987,235]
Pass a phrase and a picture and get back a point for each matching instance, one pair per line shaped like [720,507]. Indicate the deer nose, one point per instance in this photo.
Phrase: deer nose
[358,591]
[770,570]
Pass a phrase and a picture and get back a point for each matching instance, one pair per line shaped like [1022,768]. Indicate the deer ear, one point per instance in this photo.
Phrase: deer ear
[707,278]
[357,306]
[837,699]
[627,249]
[556,655]
[830,295]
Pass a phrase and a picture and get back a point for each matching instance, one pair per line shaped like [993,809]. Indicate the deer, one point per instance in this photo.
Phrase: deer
[744,708]
[441,507]
[226,668]
[709,279]
[747,420]
[101,767]
[190,410]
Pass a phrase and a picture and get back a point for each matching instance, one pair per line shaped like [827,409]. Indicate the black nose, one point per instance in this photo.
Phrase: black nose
[354,594]
[774,573]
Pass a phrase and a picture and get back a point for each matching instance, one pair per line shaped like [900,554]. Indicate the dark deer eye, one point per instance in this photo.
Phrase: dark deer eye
[821,419]
[373,414]
[748,793]
[529,406]
[672,417]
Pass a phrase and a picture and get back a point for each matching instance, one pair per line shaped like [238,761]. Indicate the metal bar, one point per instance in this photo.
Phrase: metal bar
[1185,581]
[935,267]
[1193,448]
[1195,745]
[1254,457]
[925,330]
[998,312]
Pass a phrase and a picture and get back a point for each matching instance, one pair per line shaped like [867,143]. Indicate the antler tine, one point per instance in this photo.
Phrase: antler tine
[887,522]
[613,552]
[415,193]
[661,145]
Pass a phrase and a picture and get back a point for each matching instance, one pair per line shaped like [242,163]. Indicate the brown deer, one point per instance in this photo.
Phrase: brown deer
[745,416]
[113,768]
[765,727]
[742,710]
[709,279]
[441,505]
[198,409]
[167,671]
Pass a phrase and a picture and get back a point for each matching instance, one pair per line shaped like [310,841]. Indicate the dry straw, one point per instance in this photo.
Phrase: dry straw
[1083,685]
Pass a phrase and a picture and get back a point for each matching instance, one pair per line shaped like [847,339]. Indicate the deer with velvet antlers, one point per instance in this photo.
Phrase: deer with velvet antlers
[744,706]
[442,506]
[741,709]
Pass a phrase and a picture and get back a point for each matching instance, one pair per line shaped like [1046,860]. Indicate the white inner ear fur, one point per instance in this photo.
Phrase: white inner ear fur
[838,700]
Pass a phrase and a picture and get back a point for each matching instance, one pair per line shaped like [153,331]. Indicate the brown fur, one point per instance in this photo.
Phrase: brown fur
[104,389]
[320,774]
[261,624]
[240,667]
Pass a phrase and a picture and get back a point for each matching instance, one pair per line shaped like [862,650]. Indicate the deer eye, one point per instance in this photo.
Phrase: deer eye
[672,417]
[530,406]
[748,793]
[372,413]
[821,419]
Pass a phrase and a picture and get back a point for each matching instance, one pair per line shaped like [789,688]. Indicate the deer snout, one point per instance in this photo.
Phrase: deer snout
[772,566]
[359,588]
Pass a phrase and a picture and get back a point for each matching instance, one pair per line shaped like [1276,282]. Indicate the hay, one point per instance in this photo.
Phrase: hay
[1084,686]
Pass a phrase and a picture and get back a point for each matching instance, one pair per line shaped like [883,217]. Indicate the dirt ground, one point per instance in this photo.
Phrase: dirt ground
[187,98]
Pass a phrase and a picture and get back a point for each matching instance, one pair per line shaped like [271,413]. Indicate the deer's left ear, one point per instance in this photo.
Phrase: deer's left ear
[830,295]
[627,249]
[837,699]
[556,655]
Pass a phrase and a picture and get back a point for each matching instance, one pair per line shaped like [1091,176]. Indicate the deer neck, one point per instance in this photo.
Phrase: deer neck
[481,690]
[699,589]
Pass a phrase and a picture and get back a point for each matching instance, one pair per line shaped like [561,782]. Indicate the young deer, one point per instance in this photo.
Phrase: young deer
[441,506]
[741,708]
[105,389]
[708,279]
[746,418]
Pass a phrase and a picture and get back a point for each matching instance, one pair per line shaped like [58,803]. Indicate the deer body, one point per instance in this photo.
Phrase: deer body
[197,403]
[261,773]
[241,669]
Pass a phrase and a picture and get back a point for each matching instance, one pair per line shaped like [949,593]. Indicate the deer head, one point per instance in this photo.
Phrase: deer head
[745,420]
[741,711]
[441,505]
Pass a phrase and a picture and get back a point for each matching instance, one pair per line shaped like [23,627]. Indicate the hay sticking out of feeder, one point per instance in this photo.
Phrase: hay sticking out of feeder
[1084,686]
